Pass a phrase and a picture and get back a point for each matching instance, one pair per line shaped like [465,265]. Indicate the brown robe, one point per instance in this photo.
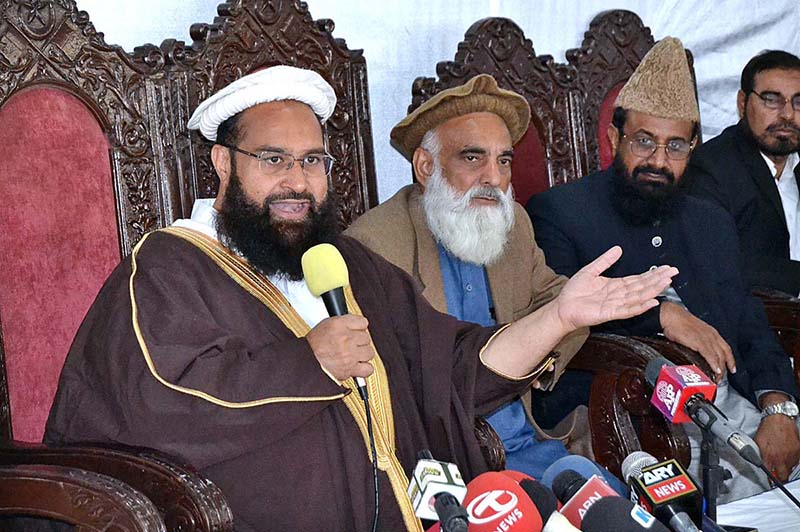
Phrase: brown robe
[297,465]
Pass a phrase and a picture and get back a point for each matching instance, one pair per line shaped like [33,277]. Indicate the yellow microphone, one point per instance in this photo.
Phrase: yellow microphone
[326,275]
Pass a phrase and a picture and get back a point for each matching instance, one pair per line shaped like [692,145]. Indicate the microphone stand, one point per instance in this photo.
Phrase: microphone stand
[713,473]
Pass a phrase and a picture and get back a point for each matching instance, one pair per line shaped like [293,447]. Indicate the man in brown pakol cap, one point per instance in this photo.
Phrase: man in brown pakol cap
[460,234]
[640,203]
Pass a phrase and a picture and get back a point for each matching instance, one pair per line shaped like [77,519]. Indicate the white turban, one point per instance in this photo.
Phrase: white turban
[269,85]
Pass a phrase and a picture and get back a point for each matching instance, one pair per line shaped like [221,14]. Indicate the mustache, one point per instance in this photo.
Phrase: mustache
[275,198]
[784,125]
[486,192]
[670,177]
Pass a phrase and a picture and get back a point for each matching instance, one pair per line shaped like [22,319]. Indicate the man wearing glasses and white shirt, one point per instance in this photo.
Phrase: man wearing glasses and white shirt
[751,171]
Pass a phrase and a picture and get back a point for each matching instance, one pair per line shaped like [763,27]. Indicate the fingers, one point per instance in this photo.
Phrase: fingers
[717,352]
[362,369]
[353,322]
[728,360]
[604,261]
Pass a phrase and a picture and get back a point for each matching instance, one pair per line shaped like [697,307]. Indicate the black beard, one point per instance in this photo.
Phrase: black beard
[642,203]
[781,147]
[273,246]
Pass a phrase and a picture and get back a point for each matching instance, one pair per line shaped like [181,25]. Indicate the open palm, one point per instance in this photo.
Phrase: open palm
[588,298]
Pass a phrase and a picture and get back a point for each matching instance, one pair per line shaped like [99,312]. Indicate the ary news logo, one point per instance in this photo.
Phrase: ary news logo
[689,375]
[494,505]
[667,481]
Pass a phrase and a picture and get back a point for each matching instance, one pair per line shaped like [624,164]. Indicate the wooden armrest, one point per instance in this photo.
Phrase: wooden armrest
[90,501]
[187,501]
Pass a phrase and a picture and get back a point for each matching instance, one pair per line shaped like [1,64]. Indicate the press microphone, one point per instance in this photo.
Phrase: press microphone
[665,490]
[544,499]
[578,494]
[436,490]
[578,464]
[547,504]
[619,515]
[580,497]
[326,275]
[496,501]
[684,393]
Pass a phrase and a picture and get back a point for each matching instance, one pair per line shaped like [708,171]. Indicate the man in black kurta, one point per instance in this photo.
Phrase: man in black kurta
[206,343]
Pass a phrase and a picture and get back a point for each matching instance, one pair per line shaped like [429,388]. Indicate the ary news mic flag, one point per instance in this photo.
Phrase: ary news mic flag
[326,275]
[673,385]
[665,490]
[495,502]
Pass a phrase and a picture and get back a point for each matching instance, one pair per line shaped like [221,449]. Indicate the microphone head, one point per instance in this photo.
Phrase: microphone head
[573,462]
[518,476]
[653,368]
[619,515]
[567,483]
[634,462]
[496,501]
[324,269]
[544,499]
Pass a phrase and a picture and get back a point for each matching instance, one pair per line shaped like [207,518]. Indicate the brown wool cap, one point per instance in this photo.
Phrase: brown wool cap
[662,84]
[479,95]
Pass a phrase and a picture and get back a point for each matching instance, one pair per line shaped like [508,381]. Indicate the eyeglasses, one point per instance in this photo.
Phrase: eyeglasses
[775,101]
[272,163]
[644,147]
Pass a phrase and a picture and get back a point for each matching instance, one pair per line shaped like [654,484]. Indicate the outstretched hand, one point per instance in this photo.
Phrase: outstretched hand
[588,298]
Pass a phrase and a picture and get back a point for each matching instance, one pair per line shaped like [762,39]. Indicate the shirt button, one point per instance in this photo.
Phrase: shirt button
[468,287]
[657,241]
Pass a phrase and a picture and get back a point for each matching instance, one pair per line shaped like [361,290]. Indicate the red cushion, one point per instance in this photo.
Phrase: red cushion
[529,170]
[603,121]
[58,244]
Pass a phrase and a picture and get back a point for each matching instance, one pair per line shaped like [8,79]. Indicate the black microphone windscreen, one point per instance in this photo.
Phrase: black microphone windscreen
[544,499]
[566,484]
[619,515]
[654,368]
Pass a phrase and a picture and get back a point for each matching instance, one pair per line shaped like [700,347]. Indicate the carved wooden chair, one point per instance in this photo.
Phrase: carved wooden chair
[103,133]
[87,168]
[556,150]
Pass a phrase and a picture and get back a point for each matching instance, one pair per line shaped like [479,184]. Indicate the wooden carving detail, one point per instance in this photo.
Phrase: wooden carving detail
[250,34]
[91,501]
[52,43]
[185,500]
[497,46]
[612,48]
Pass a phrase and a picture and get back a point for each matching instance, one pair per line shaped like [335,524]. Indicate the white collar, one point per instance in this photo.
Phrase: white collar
[310,308]
[791,162]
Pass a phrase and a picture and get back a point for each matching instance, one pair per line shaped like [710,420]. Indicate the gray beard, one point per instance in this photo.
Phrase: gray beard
[476,234]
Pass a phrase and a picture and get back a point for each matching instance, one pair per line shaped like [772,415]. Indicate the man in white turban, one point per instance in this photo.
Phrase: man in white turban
[207,343]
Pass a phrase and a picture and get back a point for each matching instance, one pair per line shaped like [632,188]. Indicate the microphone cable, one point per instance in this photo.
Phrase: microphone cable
[363,393]
[780,485]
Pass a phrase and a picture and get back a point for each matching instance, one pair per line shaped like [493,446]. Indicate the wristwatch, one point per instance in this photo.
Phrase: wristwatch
[787,408]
